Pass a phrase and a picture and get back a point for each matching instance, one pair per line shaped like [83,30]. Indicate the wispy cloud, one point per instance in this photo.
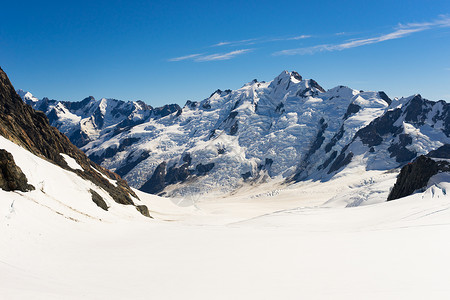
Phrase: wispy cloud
[202,57]
[401,31]
[261,40]
[222,56]
[186,57]
[442,21]
[211,57]
[236,43]
[300,37]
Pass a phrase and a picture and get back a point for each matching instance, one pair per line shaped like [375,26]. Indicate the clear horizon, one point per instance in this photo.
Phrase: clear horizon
[163,52]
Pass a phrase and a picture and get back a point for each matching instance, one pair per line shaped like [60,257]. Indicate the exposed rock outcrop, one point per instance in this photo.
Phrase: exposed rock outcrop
[11,176]
[415,176]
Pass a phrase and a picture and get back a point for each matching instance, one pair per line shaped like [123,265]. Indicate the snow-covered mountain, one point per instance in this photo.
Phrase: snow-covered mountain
[87,120]
[285,130]
[39,164]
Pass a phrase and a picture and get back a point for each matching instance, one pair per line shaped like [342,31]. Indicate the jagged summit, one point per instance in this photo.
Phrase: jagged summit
[27,96]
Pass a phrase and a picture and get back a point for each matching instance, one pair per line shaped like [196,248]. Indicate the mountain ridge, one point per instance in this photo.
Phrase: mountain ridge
[289,128]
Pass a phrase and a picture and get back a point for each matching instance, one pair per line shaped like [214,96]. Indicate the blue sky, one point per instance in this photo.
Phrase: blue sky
[171,51]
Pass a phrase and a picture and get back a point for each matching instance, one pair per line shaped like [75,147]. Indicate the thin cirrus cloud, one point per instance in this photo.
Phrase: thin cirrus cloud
[300,37]
[401,31]
[222,56]
[186,57]
[202,57]
[236,43]
[260,40]
[212,57]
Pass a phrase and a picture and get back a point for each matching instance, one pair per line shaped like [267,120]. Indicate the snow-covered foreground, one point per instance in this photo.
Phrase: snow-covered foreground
[314,240]
[393,250]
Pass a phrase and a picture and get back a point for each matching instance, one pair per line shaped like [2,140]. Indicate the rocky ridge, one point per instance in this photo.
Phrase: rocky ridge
[416,175]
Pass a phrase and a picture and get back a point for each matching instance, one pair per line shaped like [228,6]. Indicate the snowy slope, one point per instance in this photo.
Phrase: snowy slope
[391,250]
[61,192]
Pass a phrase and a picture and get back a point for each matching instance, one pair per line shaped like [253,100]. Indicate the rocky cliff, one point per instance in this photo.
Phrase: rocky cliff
[416,175]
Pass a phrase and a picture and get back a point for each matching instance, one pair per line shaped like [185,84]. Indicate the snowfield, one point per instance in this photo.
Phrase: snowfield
[313,240]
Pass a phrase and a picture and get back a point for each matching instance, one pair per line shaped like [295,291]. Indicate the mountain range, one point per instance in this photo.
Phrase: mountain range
[287,130]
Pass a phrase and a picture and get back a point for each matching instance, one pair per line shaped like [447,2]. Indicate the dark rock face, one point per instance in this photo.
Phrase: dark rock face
[143,210]
[191,104]
[328,160]
[246,175]
[341,161]
[416,175]
[371,135]
[31,129]
[385,97]
[267,164]
[334,139]
[203,169]
[314,147]
[234,128]
[232,115]
[296,76]
[444,116]
[126,142]
[166,110]
[218,91]
[97,199]
[77,105]
[314,84]
[352,109]
[417,110]
[164,176]
[132,163]
[11,176]
[79,138]
[157,182]
[279,108]
[175,175]
[399,150]
[113,150]
[441,152]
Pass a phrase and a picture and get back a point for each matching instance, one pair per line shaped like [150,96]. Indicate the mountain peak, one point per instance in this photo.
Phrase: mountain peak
[292,76]
[26,96]
[297,76]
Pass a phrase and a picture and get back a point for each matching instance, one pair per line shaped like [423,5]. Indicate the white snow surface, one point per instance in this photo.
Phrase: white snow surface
[71,162]
[312,240]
